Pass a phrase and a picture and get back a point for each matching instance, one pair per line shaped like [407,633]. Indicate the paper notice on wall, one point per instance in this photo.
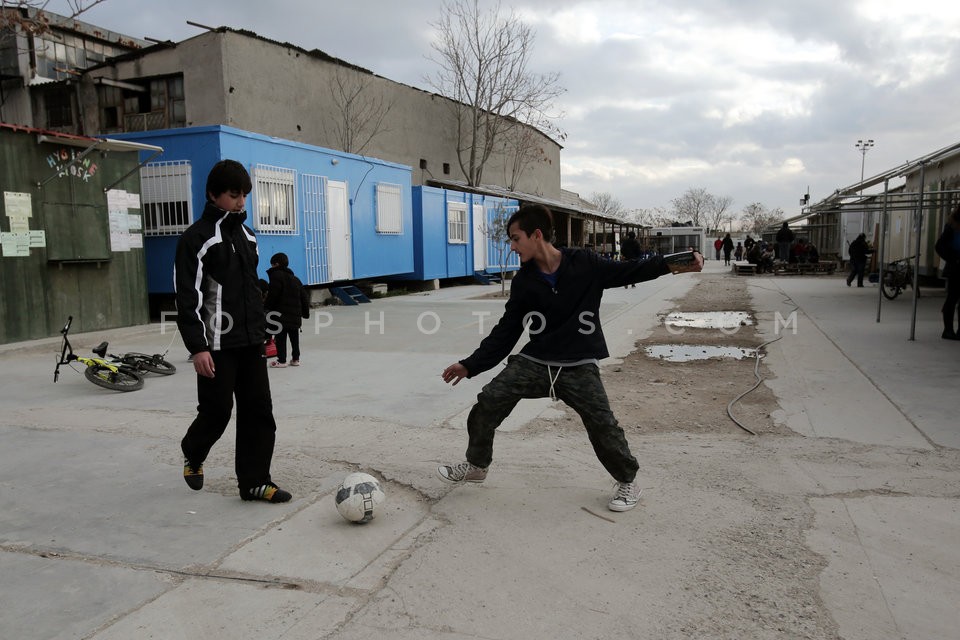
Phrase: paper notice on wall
[38,238]
[135,241]
[134,222]
[15,244]
[119,241]
[116,200]
[16,204]
[19,223]
[133,200]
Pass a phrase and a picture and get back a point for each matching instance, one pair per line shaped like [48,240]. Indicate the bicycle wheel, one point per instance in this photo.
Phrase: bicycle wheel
[115,380]
[889,285]
[153,364]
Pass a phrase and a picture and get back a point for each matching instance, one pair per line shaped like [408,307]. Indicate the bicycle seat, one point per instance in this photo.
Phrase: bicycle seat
[101,349]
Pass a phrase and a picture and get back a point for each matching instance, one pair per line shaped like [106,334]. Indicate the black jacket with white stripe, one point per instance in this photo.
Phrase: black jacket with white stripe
[219,304]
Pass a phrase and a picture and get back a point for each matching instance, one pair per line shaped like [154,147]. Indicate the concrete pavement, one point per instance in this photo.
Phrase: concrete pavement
[101,539]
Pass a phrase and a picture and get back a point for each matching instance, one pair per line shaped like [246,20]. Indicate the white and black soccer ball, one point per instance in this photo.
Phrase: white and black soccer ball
[358,497]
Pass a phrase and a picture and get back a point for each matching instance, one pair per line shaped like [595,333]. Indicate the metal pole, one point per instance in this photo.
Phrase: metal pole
[882,255]
[916,258]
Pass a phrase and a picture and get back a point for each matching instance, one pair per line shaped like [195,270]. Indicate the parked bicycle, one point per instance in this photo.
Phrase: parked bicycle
[897,276]
[118,373]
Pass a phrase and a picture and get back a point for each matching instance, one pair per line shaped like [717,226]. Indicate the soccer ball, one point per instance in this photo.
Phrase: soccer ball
[358,496]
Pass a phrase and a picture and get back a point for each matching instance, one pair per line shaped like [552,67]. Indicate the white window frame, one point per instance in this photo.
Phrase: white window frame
[389,198]
[458,223]
[274,200]
[166,197]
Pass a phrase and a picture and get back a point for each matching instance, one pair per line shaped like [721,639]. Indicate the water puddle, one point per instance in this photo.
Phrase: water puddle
[708,319]
[688,352]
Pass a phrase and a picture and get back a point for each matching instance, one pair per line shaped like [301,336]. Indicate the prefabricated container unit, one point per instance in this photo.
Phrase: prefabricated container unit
[71,232]
[338,216]
[455,234]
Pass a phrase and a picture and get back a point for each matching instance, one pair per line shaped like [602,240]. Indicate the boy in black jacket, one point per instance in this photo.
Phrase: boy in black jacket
[221,318]
[558,292]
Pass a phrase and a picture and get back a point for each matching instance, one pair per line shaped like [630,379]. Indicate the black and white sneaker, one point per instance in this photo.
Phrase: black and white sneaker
[266,492]
[626,498]
[462,472]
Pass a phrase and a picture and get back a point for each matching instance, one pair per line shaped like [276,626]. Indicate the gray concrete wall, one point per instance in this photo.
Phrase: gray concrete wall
[204,84]
[280,90]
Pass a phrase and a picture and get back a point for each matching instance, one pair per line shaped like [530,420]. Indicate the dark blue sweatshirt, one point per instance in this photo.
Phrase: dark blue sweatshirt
[564,318]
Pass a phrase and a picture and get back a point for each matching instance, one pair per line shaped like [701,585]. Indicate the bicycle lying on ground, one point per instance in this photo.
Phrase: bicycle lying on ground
[118,373]
[897,276]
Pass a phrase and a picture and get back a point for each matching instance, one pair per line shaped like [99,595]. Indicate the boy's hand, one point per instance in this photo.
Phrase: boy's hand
[203,364]
[694,267]
[455,373]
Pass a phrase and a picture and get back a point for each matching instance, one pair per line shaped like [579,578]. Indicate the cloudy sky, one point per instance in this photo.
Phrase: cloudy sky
[752,99]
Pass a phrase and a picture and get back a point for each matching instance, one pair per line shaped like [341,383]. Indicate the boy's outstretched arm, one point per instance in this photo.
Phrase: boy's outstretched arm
[455,373]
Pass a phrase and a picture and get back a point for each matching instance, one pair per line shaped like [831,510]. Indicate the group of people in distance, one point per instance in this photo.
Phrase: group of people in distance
[221,316]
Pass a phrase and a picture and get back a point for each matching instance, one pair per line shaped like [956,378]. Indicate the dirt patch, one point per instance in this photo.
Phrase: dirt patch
[653,395]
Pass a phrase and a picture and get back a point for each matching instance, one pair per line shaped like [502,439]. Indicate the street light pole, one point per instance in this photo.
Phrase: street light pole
[863,146]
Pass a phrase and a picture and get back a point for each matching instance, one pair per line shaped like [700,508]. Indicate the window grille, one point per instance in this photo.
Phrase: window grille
[389,208]
[165,198]
[457,227]
[275,200]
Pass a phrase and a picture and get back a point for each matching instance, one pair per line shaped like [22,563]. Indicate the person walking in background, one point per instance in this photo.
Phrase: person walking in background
[285,309]
[859,249]
[738,252]
[718,245]
[948,248]
[221,318]
[784,240]
[727,245]
[630,250]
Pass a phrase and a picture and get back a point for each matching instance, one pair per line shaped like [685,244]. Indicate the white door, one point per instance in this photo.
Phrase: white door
[339,239]
[479,238]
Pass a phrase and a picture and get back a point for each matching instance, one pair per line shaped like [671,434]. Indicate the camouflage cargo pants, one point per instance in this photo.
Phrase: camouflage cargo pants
[579,387]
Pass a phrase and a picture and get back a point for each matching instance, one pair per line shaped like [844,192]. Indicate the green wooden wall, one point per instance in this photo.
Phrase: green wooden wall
[77,272]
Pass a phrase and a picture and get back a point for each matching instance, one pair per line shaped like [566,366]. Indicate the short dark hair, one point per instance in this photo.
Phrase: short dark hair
[228,175]
[280,259]
[531,217]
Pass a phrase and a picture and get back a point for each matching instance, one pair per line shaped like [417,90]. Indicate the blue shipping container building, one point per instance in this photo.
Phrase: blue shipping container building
[454,234]
[337,216]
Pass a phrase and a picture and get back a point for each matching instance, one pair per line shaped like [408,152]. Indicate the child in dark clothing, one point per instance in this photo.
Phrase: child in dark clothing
[221,318]
[561,290]
[284,309]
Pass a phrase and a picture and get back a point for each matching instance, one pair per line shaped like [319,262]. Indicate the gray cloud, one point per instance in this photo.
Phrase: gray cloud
[747,98]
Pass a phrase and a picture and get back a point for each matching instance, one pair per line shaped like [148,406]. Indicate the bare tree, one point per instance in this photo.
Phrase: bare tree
[717,214]
[522,146]
[360,111]
[755,218]
[655,217]
[495,228]
[483,59]
[12,17]
[606,204]
[694,206]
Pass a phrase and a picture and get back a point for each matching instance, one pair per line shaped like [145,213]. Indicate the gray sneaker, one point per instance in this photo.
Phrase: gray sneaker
[462,472]
[628,493]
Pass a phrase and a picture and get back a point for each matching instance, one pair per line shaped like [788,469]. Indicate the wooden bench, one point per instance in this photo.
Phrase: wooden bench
[744,269]
[804,268]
